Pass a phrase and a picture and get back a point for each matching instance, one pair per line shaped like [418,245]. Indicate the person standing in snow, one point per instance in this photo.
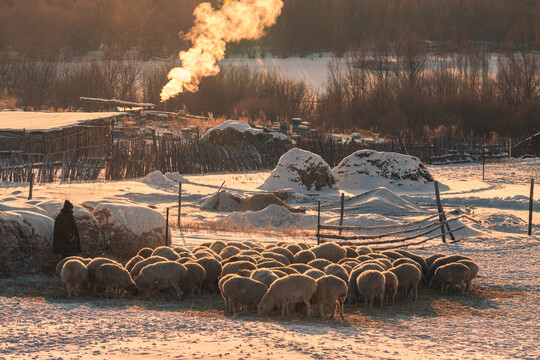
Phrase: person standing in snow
[66,235]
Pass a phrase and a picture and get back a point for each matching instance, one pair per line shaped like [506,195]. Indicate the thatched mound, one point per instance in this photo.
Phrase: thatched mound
[26,243]
[234,132]
[300,170]
[127,228]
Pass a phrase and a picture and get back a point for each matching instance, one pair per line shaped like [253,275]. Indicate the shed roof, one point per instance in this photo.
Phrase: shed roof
[47,121]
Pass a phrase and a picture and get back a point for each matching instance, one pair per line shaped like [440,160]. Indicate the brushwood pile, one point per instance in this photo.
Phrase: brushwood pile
[273,279]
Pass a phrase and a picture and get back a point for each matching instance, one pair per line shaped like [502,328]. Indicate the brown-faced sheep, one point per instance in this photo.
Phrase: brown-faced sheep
[133,261]
[85,261]
[73,273]
[303,257]
[330,290]
[390,286]
[145,252]
[408,277]
[353,294]
[315,273]
[370,285]
[243,292]
[141,264]
[234,267]
[450,274]
[319,264]
[338,271]
[443,261]
[114,278]
[213,271]
[473,271]
[301,268]
[166,252]
[267,277]
[291,289]
[329,251]
[162,276]
[431,259]
[194,278]
[275,256]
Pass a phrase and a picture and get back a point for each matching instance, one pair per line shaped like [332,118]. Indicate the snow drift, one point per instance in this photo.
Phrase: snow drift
[300,170]
[167,182]
[274,216]
[369,169]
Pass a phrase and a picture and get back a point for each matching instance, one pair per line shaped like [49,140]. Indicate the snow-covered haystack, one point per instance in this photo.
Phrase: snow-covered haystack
[25,242]
[300,170]
[221,201]
[87,224]
[225,201]
[167,182]
[127,228]
[233,132]
[502,222]
[274,216]
[370,169]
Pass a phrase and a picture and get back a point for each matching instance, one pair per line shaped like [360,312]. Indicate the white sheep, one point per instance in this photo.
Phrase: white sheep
[73,274]
[408,277]
[473,271]
[337,270]
[134,272]
[304,256]
[220,285]
[213,271]
[194,278]
[450,274]
[329,251]
[301,268]
[166,252]
[162,276]
[133,261]
[315,274]
[267,277]
[85,261]
[330,290]
[276,256]
[113,277]
[290,289]
[145,252]
[353,294]
[370,285]
[234,267]
[390,286]
[243,292]
[443,261]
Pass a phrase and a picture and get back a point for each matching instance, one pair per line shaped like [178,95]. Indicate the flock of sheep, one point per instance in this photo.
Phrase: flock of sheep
[273,277]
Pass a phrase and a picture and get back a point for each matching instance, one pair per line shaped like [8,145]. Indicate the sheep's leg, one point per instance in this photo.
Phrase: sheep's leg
[341,304]
[382,299]
[467,286]
[284,307]
[371,301]
[393,299]
[308,304]
[69,291]
[461,288]
[334,305]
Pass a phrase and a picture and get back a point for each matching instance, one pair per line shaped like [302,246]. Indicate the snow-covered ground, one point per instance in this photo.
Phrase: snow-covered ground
[498,320]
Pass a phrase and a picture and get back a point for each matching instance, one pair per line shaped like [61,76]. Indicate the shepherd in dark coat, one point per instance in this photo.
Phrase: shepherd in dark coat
[66,235]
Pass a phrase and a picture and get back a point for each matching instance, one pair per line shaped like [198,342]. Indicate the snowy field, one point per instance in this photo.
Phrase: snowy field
[497,320]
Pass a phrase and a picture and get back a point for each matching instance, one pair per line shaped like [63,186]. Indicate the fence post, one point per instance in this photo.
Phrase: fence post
[31,186]
[342,210]
[440,210]
[531,207]
[318,221]
[167,228]
[179,202]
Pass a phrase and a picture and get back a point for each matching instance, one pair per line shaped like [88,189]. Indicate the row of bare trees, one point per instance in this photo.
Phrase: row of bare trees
[66,28]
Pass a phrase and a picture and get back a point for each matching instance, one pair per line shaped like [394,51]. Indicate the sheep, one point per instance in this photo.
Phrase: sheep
[348,261]
[220,285]
[406,260]
[166,252]
[390,286]
[363,250]
[145,252]
[181,250]
[243,292]
[287,270]
[294,249]
[419,259]
[275,256]
[234,267]
[301,268]
[304,256]
[240,245]
[290,289]
[133,261]
[114,277]
[206,253]
[279,273]
[329,251]
[473,271]
[244,272]
[315,273]
[348,267]
[64,260]
[353,294]
[377,262]
[330,290]
[283,251]
[73,273]
[194,277]
[377,256]
[370,284]
[267,277]
[450,274]
[392,254]
[338,271]
[218,246]
[213,271]
[408,277]
[92,266]
[362,258]
[351,253]
[431,259]
[387,263]
[229,251]
[443,261]
[319,263]
[269,263]
[141,264]
[161,276]
[304,246]
[251,253]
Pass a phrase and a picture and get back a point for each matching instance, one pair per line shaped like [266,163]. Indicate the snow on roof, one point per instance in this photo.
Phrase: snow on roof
[45,121]
[242,127]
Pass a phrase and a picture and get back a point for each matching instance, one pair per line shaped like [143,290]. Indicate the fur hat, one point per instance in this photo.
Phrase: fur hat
[68,205]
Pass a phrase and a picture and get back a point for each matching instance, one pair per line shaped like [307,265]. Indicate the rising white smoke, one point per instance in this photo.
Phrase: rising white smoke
[213,29]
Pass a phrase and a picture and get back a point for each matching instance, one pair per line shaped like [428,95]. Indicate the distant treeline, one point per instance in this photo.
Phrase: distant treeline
[52,28]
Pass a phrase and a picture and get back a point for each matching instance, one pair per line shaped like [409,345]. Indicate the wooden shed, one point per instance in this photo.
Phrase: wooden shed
[43,136]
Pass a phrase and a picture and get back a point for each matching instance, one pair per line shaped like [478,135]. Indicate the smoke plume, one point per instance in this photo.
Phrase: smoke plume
[236,20]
